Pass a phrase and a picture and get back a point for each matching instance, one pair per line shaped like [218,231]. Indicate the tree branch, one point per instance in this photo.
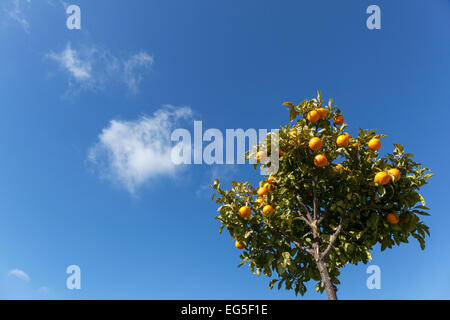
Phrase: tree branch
[297,244]
[308,218]
[333,239]
[315,196]
[324,215]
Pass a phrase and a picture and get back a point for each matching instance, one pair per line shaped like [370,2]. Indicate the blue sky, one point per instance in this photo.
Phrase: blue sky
[73,101]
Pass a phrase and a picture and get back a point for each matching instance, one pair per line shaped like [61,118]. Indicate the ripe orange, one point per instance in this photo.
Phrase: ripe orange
[259,201]
[339,120]
[260,156]
[269,186]
[342,140]
[262,191]
[382,178]
[338,167]
[320,160]
[313,116]
[267,208]
[293,133]
[392,218]
[396,173]
[374,144]
[239,245]
[270,179]
[245,212]
[322,112]
[315,143]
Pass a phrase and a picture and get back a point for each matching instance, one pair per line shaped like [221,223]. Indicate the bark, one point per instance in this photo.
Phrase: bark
[330,288]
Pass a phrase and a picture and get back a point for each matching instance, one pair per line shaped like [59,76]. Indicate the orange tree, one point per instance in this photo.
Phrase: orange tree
[331,201]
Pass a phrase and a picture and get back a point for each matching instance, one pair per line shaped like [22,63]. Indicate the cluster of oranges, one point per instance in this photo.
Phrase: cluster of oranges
[343,140]
[262,191]
[383,178]
[316,115]
[315,143]
[245,211]
[320,160]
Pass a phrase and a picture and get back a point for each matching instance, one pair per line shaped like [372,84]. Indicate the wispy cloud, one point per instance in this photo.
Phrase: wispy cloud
[14,10]
[135,68]
[68,60]
[91,68]
[19,274]
[133,152]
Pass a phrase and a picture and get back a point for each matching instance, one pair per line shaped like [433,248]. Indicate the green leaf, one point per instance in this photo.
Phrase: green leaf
[422,199]
[289,104]
[423,213]
[292,114]
[272,282]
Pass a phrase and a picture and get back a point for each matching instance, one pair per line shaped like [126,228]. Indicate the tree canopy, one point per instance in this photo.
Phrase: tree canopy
[332,199]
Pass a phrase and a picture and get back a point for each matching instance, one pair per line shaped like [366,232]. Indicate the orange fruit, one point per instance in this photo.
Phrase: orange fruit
[239,245]
[339,120]
[374,144]
[245,212]
[396,173]
[293,133]
[313,116]
[259,201]
[355,145]
[260,156]
[392,218]
[382,178]
[269,186]
[280,152]
[338,167]
[267,208]
[320,160]
[262,191]
[315,143]
[322,112]
[270,179]
[342,140]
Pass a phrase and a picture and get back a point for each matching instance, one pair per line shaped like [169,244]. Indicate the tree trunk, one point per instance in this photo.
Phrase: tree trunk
[326,280]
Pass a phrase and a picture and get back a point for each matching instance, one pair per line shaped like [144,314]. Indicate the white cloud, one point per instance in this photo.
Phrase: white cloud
[19,274]
[88,68]
[133,152]
[135,67]
[68,60]
[93,68]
